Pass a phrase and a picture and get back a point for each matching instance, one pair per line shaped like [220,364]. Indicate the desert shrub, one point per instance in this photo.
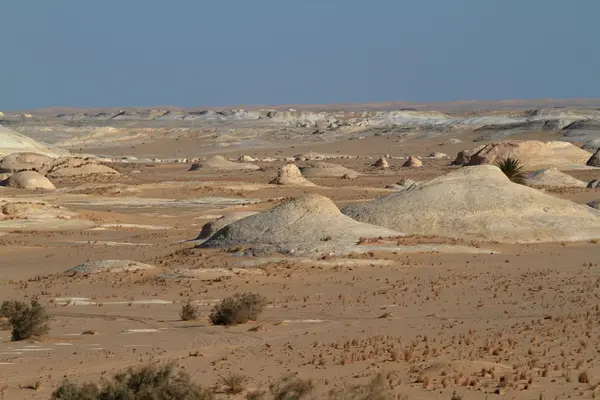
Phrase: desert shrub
[25,320]
[374,390]
[148,382]
[292,388]
[238,309]
[256,395]
[189,312]
[512,168]
[233,383]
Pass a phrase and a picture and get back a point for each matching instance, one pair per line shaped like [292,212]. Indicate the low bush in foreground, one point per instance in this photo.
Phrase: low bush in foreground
[25,320]
[148,382]
[238,309]
[189,312]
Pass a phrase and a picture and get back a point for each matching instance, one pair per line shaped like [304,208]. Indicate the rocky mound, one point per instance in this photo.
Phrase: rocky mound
[17,162]
[381,163]
[402,185]
[437,155]
[595,184]
[76,167]
[28,180]
[552,178]
[307,220]
[327,170]
[290,175]
[463,157]
[220,163]
[210,228]
[594,160]
[531,153]
[13,142]
[480,202]
[413,162]
[96,267]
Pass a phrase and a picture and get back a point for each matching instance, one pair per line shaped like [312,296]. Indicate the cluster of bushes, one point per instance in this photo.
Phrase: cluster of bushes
[166,383]
[237,309]
[25,320]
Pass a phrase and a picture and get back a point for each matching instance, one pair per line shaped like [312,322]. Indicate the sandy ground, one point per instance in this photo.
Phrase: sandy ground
[521,322]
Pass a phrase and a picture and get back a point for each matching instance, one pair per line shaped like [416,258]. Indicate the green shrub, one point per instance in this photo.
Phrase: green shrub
[513,169]
[189,312]
[233,383]
[148,382]
[25,320]
[238,309]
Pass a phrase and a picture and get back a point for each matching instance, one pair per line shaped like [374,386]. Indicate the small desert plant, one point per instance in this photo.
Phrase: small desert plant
[291,388]
[238,309]
[583,377]
[25,320]
[233,383]
[142,383]
[374,390]
[512,168]
[189,312]
[256,395]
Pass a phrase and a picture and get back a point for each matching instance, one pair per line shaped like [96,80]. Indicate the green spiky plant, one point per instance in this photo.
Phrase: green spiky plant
[512,168]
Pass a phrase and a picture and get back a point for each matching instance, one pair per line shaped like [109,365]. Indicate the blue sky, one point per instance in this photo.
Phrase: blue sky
[81,53]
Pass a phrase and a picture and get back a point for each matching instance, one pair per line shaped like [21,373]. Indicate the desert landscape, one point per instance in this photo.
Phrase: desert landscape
[385,251]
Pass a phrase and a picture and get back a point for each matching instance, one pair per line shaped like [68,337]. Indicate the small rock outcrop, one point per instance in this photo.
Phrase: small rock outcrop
[595,184]
[290,175]
[381,163]
[112,266]
[594,160]
[220,163]
[413,162]
[552,178]
[324,170]
[402,185]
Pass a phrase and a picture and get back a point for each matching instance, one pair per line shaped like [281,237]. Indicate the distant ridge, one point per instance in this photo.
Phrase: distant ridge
[462,105]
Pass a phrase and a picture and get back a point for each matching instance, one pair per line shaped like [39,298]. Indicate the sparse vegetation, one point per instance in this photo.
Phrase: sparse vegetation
[291,388]
[233,383]
[25,320]
[238,309]
[189,312]
[142,383]
[374,390]
[512,168]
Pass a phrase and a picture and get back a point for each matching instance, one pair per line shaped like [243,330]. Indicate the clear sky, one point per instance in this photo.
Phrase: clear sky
[86,53]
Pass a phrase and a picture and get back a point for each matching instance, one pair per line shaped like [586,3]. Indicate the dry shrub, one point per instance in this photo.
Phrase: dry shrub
[292,388]
[238,309]
[142,383]
[25,320]
[189,312]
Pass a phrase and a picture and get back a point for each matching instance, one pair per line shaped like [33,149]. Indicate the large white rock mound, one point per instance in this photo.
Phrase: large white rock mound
[220,163]
[327,170]
[17,162]
[28,180]
[211,227]
[480,202]
[531,153]
[14,142]
[308,220]
[290,175]
[553,178]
